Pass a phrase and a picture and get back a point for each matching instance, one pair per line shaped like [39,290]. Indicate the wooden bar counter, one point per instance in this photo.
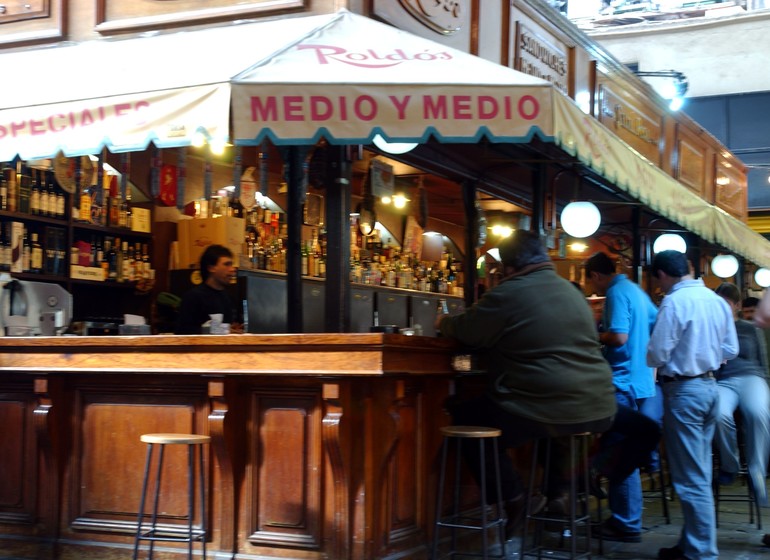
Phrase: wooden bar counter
[323,445]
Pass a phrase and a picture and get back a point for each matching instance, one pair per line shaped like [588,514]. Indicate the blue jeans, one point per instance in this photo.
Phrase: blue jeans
[690,410]
[750,394]
[652,407]
[625,496]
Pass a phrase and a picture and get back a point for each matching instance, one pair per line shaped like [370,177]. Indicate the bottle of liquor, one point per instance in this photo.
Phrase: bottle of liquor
[11,176]
[26,252]
[138,265]
[105,262]
[25,189]
[43,189]
[98,253]
[36,255]
[84,212]
[5,249]
[34,193]
[145,261]
[114,260]
[127,267]
[126,210]
[3,192]
[114,202]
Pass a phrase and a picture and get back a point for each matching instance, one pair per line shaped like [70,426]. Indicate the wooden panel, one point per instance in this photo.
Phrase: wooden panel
[285,488]
[125,15]
[18,463]
[405,471]
[20,10]
[731,186]
[636,123]
[32,21]
[107,480]
[692,161]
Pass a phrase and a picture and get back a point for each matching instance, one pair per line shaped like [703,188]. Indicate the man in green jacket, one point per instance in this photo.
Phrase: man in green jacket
[547,376]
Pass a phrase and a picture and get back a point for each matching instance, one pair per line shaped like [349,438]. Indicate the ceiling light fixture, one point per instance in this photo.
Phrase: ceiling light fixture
[580,219]
[393,147]
[668,242]
[762,277]
[674,91]
[724,266]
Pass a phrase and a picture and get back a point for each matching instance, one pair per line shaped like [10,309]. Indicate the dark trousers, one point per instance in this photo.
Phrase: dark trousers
[626,443]
[516,431]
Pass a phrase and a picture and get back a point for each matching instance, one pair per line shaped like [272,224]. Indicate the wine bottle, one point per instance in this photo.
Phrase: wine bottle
[36,255]
[34,195]
[26,252]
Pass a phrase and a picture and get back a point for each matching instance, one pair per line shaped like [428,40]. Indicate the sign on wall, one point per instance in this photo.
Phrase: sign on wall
[539,56]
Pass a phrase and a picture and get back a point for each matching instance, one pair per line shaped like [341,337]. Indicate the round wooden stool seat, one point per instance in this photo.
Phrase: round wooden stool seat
[470,431]
[170,439]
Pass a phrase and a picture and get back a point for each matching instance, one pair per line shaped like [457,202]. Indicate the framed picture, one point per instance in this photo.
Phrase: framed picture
[313,212]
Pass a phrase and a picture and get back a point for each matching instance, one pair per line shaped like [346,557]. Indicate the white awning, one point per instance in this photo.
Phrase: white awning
[123,94]
[294,80]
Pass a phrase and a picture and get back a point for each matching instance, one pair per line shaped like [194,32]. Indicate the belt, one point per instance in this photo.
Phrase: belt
[677,377]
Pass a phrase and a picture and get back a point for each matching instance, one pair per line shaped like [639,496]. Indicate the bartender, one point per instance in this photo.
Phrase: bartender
[210,297]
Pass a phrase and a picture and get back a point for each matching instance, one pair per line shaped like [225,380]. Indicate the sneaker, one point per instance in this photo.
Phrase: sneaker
[609,532]
[515,510]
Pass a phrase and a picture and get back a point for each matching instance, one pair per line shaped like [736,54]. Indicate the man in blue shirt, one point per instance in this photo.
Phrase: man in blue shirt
[627,319]
[693,335]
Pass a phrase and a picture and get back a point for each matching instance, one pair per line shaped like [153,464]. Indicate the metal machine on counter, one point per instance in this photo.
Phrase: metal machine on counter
[33,308]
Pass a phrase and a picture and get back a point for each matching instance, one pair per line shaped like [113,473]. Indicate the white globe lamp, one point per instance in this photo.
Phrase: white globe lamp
[580,219]
[669,242]
[393,147]
[724,266]
[762,277]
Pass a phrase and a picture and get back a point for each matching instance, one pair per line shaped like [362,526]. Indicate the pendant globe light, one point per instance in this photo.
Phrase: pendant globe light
[762,277]
[724,266]
[669,241]
[580,219]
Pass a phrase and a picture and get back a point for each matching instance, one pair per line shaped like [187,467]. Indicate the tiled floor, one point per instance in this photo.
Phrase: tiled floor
[736,537]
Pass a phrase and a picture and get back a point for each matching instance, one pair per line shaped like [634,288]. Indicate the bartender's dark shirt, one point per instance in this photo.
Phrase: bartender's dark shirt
[198,304]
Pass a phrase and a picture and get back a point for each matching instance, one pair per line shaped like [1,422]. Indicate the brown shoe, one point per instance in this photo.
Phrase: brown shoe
[766,539]
[515,511]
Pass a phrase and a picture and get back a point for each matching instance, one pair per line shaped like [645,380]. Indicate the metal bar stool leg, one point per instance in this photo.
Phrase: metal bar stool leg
[202,480]
[190,498]
[499,490]
[439,498]
[142,501]
[154,518]
[484,539]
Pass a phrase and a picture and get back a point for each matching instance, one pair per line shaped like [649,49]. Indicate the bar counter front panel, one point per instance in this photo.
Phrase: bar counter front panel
[323,445]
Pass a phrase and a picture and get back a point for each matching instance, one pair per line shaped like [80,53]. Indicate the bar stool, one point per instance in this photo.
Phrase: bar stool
[460,520]
[170,533]
[750,497]
[579,493]
[661,488]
